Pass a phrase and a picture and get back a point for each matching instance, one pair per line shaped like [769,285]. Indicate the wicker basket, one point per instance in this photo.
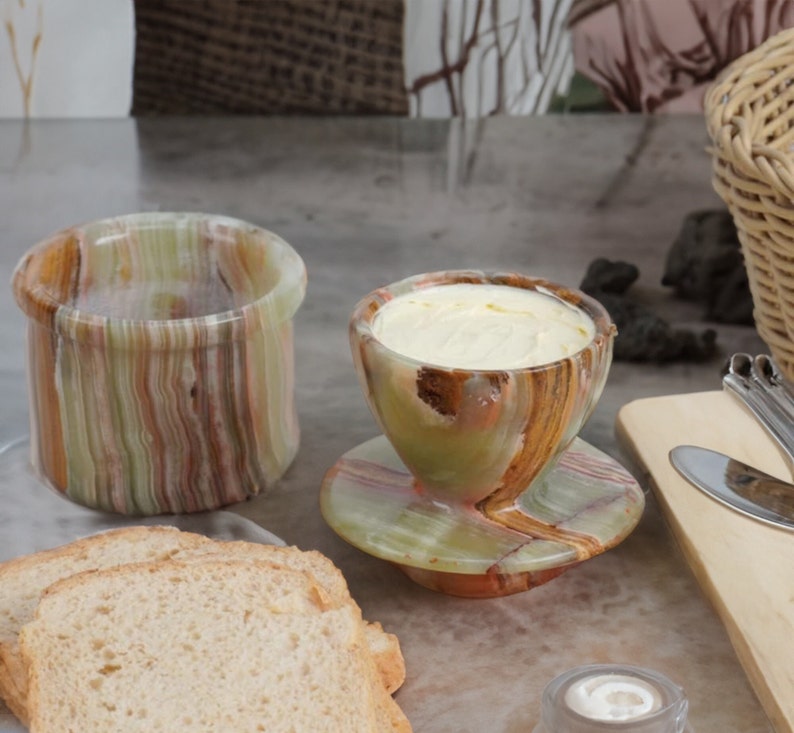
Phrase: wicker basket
[750,118]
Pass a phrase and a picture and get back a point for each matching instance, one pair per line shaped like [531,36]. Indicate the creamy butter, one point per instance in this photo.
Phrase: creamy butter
[613,697]
[482,326]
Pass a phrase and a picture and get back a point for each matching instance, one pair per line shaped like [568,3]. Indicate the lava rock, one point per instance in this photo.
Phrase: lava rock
[705,264]
[606,276]
[642,334]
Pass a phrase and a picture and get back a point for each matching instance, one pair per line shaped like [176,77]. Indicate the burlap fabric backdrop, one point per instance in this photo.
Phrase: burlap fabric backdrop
[269,57]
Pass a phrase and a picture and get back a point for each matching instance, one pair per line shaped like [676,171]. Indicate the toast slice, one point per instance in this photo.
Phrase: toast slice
[198,647]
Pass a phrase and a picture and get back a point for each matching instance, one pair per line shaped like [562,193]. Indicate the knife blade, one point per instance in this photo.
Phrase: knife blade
[735,484]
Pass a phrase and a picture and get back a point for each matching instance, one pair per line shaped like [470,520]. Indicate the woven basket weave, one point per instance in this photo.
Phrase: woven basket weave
[750,118]
[269,57]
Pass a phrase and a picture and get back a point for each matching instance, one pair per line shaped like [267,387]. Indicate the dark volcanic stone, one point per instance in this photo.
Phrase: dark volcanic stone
[705,265]
[642,335]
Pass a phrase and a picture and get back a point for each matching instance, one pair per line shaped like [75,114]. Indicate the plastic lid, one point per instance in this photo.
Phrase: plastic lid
[611,697]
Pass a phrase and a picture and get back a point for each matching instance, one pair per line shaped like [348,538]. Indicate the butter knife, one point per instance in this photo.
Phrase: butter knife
[737,485]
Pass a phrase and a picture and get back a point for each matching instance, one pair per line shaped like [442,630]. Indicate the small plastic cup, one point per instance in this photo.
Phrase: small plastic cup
[613,698]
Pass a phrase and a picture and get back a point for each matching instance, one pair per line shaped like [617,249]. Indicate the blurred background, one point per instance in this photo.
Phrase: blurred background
[420,58]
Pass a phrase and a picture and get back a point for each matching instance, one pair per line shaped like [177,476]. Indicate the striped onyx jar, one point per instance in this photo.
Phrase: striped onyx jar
[160,360]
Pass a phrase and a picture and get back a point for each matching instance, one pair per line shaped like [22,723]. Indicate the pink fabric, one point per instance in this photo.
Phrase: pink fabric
[659,55]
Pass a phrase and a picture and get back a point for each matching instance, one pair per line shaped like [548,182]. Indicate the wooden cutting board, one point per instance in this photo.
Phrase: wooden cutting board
[744,567]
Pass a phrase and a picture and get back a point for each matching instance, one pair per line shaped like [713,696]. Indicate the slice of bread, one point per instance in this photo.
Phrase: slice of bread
[23,580]
[198,647]
[384,646]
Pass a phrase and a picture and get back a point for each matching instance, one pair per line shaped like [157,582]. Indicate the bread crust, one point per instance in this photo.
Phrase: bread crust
[23,581]
[133,620]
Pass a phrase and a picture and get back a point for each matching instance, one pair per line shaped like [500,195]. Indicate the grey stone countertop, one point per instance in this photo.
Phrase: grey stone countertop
[369,201]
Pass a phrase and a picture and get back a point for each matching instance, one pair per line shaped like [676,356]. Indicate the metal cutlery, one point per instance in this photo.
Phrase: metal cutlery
[737,485]
[758,384]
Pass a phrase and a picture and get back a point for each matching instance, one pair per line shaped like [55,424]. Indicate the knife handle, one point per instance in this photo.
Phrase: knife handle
[758,385]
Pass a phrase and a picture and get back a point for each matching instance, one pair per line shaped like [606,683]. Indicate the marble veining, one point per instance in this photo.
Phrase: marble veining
[479,436]
[443,494]
[160,355]
[586,505]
